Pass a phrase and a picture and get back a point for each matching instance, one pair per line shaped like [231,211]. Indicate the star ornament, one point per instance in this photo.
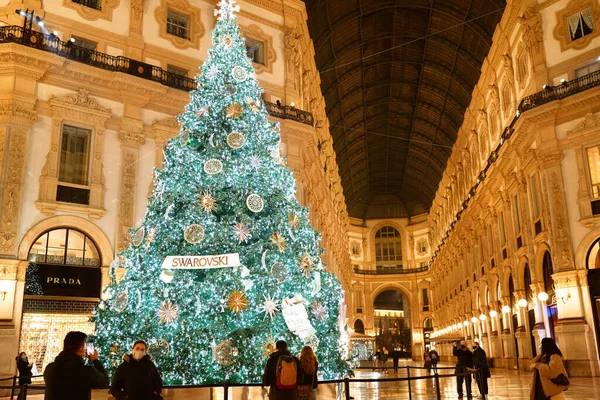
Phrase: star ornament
[255,162]
[293,221]
[306,264]
[208,202]
[242,232]
[237,302]
[319,311]
[167,313]
[202,111]
[279,241]
[270,306]
[226,10]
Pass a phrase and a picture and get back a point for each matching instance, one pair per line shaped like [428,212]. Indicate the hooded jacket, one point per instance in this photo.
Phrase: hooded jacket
[270,377]
[68,378]
[136,379]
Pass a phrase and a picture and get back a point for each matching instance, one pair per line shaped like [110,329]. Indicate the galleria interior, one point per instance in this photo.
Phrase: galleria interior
[449,155]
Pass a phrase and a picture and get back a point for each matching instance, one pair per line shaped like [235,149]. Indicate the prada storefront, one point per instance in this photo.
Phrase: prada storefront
[62,288]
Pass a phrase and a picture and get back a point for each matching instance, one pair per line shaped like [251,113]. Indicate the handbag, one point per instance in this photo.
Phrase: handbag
[561,380]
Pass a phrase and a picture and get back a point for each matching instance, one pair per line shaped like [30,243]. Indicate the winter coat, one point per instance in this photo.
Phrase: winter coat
[25,373]
[308,379]
[547,372]
[136,380]
[270,377]
[480,362]
[434,360]
[68,378]
[465,359]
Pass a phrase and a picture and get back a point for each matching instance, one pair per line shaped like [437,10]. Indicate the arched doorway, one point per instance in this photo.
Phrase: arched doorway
[392,322]
[359,326]
[514,317]
[62,288]
[552,311]
[593,265]
[530,310]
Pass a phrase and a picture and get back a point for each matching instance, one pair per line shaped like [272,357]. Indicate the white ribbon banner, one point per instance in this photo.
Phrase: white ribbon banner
[202,262]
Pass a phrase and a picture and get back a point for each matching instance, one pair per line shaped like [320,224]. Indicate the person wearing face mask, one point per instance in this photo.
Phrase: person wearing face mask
[137,377]
[24,367]
[480,362]
[463,363]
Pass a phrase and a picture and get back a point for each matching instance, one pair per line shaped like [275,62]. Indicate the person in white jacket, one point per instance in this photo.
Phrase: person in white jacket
[546,368]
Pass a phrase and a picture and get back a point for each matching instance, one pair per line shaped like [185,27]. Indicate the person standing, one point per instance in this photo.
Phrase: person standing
[68,378]
[25,374]
[137,377]
[548,367]
[435,358]
[281,363]
[395,358]
[463,362]
[307,389]
[480,362]
[377,360]
[427,360]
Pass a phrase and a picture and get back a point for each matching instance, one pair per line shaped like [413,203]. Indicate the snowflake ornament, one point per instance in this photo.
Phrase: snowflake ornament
[167,312]
[255,162]
[226,10]
[270,306]
[319,311]
[213,71]
[242,232]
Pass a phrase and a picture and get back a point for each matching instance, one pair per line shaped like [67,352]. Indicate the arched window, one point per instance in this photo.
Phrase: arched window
[527,283]
[359,326]
[388,248]
[547,274]
[593,257]
[65,246]
[428,323]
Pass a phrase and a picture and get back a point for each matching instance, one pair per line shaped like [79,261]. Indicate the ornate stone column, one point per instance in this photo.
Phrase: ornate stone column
[131,138]
[508,338]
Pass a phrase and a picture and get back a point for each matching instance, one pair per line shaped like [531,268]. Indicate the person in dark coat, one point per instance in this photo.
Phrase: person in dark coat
[480,362]
[269,377]
[137,377]
[435,358]
[68,377]
[463,363]
[25,374]
[395,358]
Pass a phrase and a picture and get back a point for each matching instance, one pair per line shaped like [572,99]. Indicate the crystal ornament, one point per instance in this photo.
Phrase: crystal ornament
[138,237]
[234,110]
[270,306]
[193,233]
[120,302]
[241,232]
[237,301]
[255,203]
[213,71]
[224,353]
[184,138]
[167,312]
[255,162]
[235,140]
[213,166]
[239,73]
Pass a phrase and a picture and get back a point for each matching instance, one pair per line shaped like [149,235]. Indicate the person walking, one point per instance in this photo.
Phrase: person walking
[549,379]
[137,377]
[281,373]
[307,389]
[435,358]
[427,360]
[25,374]
[463,363]
[68,377]
[480,362]
[385,354]
[395,358]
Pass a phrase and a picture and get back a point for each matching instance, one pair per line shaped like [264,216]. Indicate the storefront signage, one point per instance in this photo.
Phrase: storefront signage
[63,280]
[202,262]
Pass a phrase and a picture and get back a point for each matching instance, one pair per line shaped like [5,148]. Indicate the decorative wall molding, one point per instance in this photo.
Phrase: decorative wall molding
[561,30]
[255,32]
[91,14]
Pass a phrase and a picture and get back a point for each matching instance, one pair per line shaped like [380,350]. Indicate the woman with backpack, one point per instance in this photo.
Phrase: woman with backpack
[307,389]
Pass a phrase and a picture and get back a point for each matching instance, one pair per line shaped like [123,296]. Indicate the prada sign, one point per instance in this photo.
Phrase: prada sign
[62,280]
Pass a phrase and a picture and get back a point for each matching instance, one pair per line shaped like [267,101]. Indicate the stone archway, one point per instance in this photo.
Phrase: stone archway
[392,320]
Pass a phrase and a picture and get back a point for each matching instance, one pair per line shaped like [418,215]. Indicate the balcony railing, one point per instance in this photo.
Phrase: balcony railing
[389,271]
[69,50]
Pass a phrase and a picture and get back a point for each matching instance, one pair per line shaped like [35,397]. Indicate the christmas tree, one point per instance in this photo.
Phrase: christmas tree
[225,261]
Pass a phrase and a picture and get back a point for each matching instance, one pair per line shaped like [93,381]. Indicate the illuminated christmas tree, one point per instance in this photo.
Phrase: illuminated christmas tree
[225,192]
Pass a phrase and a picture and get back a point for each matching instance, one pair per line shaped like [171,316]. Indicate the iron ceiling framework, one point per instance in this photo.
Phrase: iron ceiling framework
[397,77]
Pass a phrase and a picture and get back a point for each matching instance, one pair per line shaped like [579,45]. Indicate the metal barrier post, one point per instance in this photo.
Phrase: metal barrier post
[409,384]
[438,395]
[12,391]
[347,387]
[225,391]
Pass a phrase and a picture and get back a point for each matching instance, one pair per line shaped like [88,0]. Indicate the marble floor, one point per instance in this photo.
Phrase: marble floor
[503,385]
